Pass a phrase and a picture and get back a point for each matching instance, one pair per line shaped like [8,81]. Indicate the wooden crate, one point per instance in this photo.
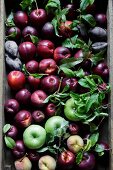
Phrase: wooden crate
[6,160]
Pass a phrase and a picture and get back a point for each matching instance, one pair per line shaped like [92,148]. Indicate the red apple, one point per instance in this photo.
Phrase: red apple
[19,149]
[21,19]
[27,31]
[66,160]
[38,17]
[37,98]
[27,51]
[16,80]
[47,66]
[32,66]
[23,97]
[23,118]
[38,116]
[45,49]
[33,82]
[50,109]
[61,53]
[11,107]
[50,83]
[12,132]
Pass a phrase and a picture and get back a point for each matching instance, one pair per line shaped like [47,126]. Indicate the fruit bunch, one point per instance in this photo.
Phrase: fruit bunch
[55,54]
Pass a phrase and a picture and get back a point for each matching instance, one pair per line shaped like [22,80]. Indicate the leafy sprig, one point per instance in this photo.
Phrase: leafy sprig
[10,20]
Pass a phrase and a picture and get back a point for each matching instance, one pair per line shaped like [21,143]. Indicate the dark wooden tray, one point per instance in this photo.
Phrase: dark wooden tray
[6,160]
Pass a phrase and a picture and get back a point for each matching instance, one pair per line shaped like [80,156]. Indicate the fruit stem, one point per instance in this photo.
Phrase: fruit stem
[36,6]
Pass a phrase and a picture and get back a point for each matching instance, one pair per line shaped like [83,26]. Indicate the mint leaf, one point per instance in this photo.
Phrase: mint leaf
[79,73]
[34,39]
[85,3]
[70,62]
[10,20]
[83,82]
[94,138]
[6,128]
[79,157]
[10,143]
[89,19]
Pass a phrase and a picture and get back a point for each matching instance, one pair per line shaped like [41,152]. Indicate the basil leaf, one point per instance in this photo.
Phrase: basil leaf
[99,148]
[79,157]
[85,3]
[34,39]
[6,128]
[42,150]
[93,100]
[9,21]
[94,138]
[68,72]
[10,143]
[89,19]
[26,4]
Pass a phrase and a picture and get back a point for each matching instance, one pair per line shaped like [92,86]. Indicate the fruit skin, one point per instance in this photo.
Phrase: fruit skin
[27,51]
[47,163]
[66,160]
[33,156]
[75,143]
[101,19]
[19,149]
[16,80]
[102,70]
[48,66]
[11,106]
[88,162]
[73,129]
[38,116]
[71,82]
[12,132]
[14,30]
[69,110]
[37,98]
[27,31]
[54,123]
[33,82]
[21,19]
[65,29]
[61,53]
[23,97]
[23,118]
[45,49]
[32,66]
[38,17]
[23,164]
[34,136]
[50,83]
[79,54]
[48,31]
[50,110]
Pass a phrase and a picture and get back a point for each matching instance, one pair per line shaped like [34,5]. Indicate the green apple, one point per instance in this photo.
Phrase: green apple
[34,136]
[47,163]
[70,110]
[75,143]
[23,164]
[54,123]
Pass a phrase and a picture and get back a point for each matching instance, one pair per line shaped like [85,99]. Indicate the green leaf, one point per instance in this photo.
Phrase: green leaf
[34,39]
[6,128]
[12,35]
[66,135]
[42,150]
[100,153]
[55,24]
[89,19]
[98,57]
[68,72]
[99,148]
[36,75]
[74,25]
[70,42]
[79,73]
[93,127]
[52,150]
[93,100]
[9,21]
[53,5]
[85,3]
[49,138]
[88,146]
[66,88]
[10,143]
[79,157]
[70,62]
[26,4]
[94,138]
[83,82]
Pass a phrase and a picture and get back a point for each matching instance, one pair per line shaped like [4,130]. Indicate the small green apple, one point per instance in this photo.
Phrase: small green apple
[34,136]
[75,143]
[70,110]
[54,123]
[47,163]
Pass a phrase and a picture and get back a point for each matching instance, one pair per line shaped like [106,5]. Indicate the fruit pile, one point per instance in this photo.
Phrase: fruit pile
[55,54]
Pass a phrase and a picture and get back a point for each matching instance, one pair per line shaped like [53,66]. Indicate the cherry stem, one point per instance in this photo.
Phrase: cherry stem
[36,6]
